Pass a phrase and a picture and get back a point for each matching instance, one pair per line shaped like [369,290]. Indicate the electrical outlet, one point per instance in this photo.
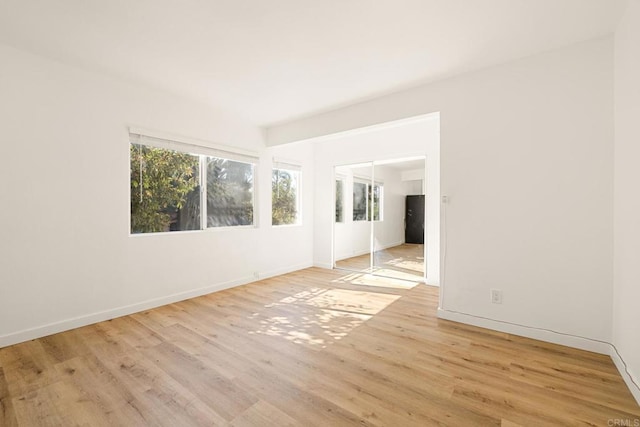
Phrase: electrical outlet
[496,296]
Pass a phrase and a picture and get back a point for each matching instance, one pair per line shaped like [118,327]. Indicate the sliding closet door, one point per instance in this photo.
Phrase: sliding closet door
[372,220]
[352,229]
[378,216]
[393,184]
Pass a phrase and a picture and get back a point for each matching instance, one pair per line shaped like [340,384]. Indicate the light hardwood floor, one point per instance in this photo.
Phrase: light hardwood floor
[313,347]
[404,261]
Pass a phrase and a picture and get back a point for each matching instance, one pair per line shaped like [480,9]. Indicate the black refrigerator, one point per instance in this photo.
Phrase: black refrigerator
[414,219]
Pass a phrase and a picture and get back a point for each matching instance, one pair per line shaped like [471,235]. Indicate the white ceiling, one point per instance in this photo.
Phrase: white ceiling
[272,61]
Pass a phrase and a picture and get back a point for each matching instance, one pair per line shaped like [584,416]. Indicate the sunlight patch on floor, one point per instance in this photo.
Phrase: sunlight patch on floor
[391,273]
[321,329]
[353,301]
[330,315]
[400,281]
[406,264]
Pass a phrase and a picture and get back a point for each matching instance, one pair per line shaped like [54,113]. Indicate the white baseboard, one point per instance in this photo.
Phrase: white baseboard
[552,337]
[627,375]
[529,332]
[77,322]
[389,245]
[324,265]
[281,271]
[354,254]
[367,251]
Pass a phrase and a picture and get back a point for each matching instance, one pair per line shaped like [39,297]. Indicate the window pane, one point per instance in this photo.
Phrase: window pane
[229,193]
[376,205]
[284,197]
[165,192]
[339,185]
[359,201]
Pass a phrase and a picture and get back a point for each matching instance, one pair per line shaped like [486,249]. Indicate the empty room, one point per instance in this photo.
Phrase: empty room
[319,213]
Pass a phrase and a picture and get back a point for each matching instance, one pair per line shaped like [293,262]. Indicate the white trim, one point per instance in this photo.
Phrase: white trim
[360,130]
[100,316]
[400,160]
[361,179]
[627,376]
[368,251]
[295,224]
[323,265]
[357,165]
[284,164]
[390,245]
[286,270]
[190,145]
[581,343]
[354,254]
[206,230]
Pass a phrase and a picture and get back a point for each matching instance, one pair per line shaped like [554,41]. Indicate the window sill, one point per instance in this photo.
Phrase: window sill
[299,224]
[206,230]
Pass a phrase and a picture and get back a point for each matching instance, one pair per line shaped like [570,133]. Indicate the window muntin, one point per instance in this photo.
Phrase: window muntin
[285,197]
[172,190]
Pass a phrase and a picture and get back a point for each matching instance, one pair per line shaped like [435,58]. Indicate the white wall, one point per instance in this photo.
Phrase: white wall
[413,181]
[411,139]
[390,231]
[527,162]
[66,253]
[626,310]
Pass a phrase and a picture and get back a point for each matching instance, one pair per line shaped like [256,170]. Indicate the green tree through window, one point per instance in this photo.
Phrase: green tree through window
[229,193]
[284,197]
[166,192]
[359,201]
[374,202]
[161,183]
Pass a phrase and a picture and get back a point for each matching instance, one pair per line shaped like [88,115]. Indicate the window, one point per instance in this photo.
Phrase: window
[359,201]
[376,206]
[363,195]
[229,193]
[174,190]
[285,196]
[339,198]
[165,190]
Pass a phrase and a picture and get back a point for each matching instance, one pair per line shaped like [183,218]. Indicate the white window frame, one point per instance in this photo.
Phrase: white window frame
[369,185]
[288,166]
[202,150]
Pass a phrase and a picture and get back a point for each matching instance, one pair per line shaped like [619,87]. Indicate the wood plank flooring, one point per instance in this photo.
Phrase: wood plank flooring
[404,261]
[312,348]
